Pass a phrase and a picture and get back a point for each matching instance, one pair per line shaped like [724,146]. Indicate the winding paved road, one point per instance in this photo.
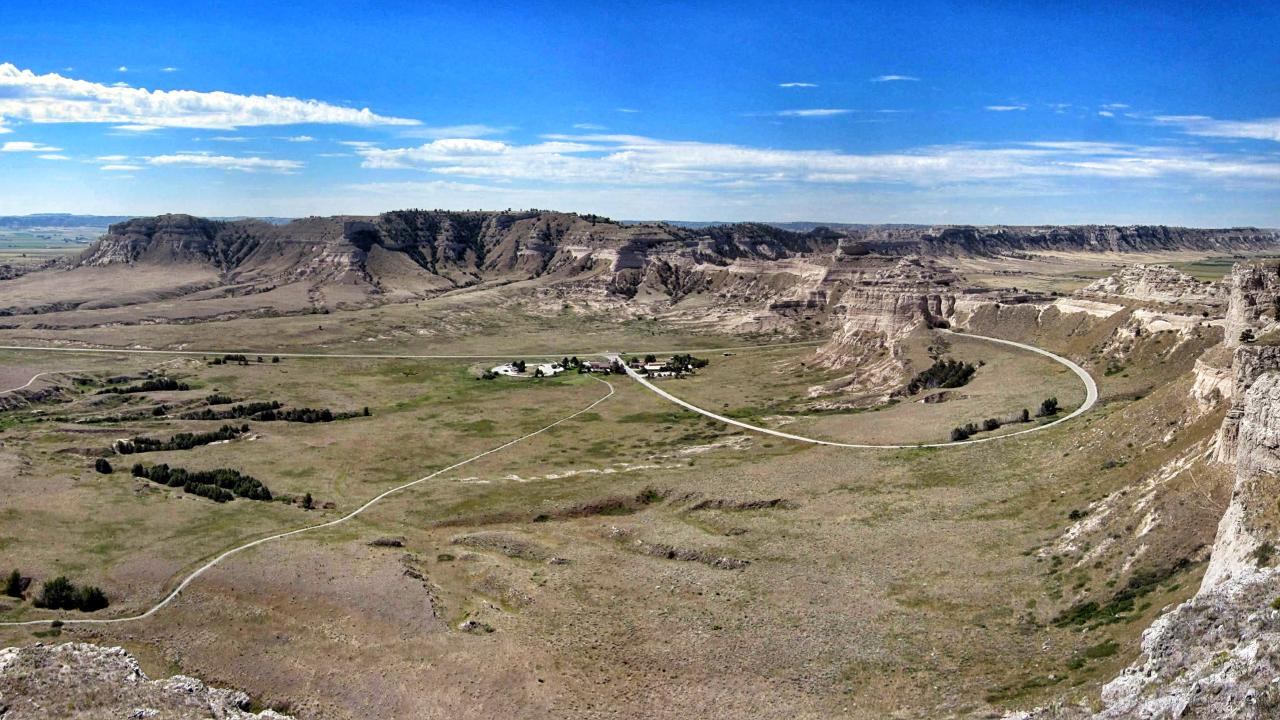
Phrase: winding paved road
[278,536]
[1091,397]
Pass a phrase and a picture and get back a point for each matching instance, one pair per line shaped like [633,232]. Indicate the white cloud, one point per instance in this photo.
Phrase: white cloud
[627,110]
[53,156]
[120,168]
[1260,129]
[138,128]
[122,68]
[111,158]
[589,126]
[797,85]
[299,139]
[894,78]
[454,131]
[630,161]
[1005,108]
[24,146]
[1106,113]
[52,98]
[814,112]
[358,143]
[169,69]
[1116,106]
[229,138]
[225,162]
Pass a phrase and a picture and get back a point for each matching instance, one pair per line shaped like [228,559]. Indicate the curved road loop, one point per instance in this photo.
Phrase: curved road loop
[1091,397]
[278,536]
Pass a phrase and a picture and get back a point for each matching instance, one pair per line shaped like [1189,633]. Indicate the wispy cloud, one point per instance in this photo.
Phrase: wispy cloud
[894,78]
[626,110]
[122,68]
[169,69]
[797,85]
[299,139]
[632,161]
[813,112]
[120,168]
[52,98]
[25,146]
[229,138]
[588,126]
[454,131]
[1004,108]
[1201,125]
[225,162]
[111,158]
[1106,113]
[53,156]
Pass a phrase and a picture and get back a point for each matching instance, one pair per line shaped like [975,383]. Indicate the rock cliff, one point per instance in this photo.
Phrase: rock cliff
[1254,300]
[1157,283]
[42,681]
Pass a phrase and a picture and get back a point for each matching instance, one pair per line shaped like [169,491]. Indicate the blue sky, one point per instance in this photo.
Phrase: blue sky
[942,112]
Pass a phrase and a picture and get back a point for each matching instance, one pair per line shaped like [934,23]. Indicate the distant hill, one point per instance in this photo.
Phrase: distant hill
[71,220]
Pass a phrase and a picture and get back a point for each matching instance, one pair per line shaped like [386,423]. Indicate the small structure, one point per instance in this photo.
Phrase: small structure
[598,367]
[520,369]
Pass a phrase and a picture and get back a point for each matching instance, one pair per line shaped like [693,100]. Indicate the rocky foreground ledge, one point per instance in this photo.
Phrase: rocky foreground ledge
[80,680]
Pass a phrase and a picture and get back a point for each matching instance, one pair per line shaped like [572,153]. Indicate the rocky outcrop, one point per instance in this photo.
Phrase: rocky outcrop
[1248,363]
[1254,300]
[42,681]
[1156,283]
[877,310]
[1006,239]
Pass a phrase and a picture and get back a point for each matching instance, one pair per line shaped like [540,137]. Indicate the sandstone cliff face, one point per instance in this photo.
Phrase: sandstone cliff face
[42,681]
[1248,363]
[876,310]
[1254,288]
[1157,283]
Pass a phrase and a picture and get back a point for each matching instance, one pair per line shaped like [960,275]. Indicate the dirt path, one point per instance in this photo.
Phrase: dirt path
[1091,397]
[279,536]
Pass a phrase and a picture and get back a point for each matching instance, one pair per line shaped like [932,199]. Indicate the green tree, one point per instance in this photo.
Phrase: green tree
[307,502]
[102,466]
[90,598]
[57,594]
[13,584]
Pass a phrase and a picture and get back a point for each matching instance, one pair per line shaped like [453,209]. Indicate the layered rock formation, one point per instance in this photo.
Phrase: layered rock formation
[1157,283]
[876,310]
[83,680]
[1254,301]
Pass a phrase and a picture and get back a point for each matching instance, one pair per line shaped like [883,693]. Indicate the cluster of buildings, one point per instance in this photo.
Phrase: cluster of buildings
[650,366]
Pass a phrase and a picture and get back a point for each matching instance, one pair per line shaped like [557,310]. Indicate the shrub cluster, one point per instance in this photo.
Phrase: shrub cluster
[62,594]
[219,485]
[1048,408]
[245,410]
[942,374]
[181,441]
[273,410]
[153,385]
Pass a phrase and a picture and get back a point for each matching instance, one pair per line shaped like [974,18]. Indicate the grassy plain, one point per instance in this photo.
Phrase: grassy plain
[637,561]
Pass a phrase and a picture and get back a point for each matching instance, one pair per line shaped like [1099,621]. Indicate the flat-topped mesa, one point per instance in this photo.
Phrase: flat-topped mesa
[1157,283]
[1006,239]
